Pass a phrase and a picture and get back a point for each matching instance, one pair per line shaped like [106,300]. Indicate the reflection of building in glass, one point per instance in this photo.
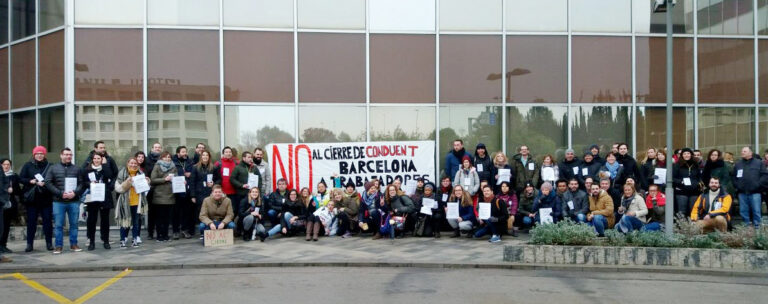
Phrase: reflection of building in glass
[176,125]
[120,127]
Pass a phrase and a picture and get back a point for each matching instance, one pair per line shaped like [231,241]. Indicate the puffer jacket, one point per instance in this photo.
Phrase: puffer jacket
[548,201]
[602,205]
[43,197]
[240,177]
[525,203]
[470,175]
[704,207]
[486,165]
[104,176]
[403,204]
[55,181]
[752,171]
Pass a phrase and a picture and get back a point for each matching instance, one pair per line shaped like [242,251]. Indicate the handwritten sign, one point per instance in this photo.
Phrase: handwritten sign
[218,238]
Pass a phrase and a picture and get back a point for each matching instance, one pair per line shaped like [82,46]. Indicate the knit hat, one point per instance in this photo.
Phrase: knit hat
[429,185]
[367,186]
[466,157]
[39,149]
[569,151]
[546,185]
[686,150]
[481,146]
[350,183]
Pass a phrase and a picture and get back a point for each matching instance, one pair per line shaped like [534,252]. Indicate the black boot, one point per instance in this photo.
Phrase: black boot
[107,246]
[29,248]
[91,245]
[48,245]
[456,233]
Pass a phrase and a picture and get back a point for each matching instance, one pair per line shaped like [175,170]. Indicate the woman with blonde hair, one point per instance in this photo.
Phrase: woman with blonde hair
[467,218]
[130,205]
[500,161]
[549,166]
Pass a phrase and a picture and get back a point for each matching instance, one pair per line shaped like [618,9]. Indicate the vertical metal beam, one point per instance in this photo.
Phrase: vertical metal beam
[504,78]
[296,70]
[367,72]
[69,76]
[145,75]
[221,75]
[757,77]
[570,78]
[668,210]
[37,72]
[437,92]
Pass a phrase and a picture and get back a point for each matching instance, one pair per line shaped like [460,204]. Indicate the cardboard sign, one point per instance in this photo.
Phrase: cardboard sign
[219,238]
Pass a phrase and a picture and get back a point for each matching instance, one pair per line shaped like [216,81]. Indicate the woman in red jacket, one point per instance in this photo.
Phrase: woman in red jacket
[226,167]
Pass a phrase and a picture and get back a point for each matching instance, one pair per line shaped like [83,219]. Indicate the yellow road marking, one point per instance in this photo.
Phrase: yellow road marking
[62,299]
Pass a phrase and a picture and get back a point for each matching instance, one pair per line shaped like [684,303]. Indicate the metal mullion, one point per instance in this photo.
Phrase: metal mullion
[570,76]
[367,72]
[695,75]
[69,77]
[437,90]
[757,76]
[305,30]
[257,29]
[145,74]
[108,26]
[296,70]
[221,73]
[183,27]
[37,71]
[634,79]
[49,31]
[503,78]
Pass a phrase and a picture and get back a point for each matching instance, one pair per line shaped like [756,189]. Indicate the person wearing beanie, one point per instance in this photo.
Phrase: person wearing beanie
[483,163]
[595,151]
[523,218]
[454,158]
[546,199]
[686,178]
[589,167]
[570,167]
[429,224]
[36,198]
[467,177]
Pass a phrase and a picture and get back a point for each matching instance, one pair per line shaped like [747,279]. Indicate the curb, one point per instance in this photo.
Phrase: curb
[458,265]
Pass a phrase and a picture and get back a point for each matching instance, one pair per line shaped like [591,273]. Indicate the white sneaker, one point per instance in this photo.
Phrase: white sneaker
[122,244]
[135,244]
[137,240]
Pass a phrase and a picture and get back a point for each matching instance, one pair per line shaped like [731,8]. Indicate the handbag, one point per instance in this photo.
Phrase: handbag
[399,223]
[422,229]
[30,196]
[385,226]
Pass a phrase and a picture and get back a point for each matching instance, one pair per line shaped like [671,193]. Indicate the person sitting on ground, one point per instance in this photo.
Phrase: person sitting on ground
[322,196]
[327,217]
[293,216]
[710,211]
[496,223]
[655,202]
[575,204]
[310,206]
[633,211]
[251,213]
[547,199]
[600,210]
[348,208]
[525,207]
[216,212]
[467,219]
[508,196]
[368,216]
[401,205]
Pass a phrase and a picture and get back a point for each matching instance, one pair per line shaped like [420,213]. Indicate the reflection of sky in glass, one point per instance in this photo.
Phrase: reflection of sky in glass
[337,119]
[418,120]
[253,118]
[456,117]
[611,16]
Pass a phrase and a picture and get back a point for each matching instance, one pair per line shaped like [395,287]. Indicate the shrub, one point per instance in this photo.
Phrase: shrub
[563,233]
[654,239]
[686,227]
[709,241]
[615,238]
[740,237]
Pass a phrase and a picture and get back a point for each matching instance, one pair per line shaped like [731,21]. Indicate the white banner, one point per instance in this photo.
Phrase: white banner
[304,165]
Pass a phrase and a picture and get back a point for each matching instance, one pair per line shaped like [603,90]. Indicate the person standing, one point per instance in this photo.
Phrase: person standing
[149,166]
[570,167]
[98,173]
[163,200]
[5,199]
[130,204]
[747,175]
[239,181]
[483,163]
[500,162]
[263,167]
[101,149]
[204,176]
[199,148]
[226,167]
[37,199]
[183,216]
[686,182]
[467,177]
[454,158]
[14,190]
[65,183]
[526,169]
[631,169]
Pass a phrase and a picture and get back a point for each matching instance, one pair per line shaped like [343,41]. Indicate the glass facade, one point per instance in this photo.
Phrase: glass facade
[550,74]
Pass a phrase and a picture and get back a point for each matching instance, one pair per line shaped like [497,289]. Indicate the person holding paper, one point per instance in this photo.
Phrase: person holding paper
[467,177]
[252,214]
[575,204]
[368,217]
[130,205]
[600,213]
[434,217]
[711,210]
[523,216]
[570,166]
[501,172]
[589,167]
[445,189]
[148,167]
[401,205]
[266,173]
[13,188]
[240,177]
[547,199]
[632,211]
[201,180]
[36,198]
[467,219]
[550,171]
[64,182]
[183,218]
[648,167]
[216,212]
[526,169]
[226,167]
[497,221]
[483,163]
[509,198]
[98,175]
[749,177]
[686,178]
[160,180]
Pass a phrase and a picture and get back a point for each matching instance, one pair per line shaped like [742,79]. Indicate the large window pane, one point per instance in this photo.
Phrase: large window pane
[537,69]
[258,66]
[52,130]
[600,125]
[726,71]
[652,129]
[529,16]
[23,69]
[762,65]
[93,123]
[602,69]
[600,16]
[23,18]
[183,65]
[402,15]
[23,137]
[4,146]
[183,12]
[108,64]
[258,13]
[3,80]
[470,67]
[3,22]
[109,12]
[725,17]
[51,67]
[478,15]
[275,124]
[542,129]
[402,123]
[762,17]
[51,14]
[332,14]
[651,69]
[184,125]
[473,124]
[402,68]
[726,129]
[331,67]
[319,124]
[646,21]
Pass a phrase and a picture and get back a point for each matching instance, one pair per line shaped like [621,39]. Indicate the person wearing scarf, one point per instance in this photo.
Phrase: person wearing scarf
[467,177]
[632,211]
[508,196]
[130,205]
[163,199]
[454,158]
[614,171]
[98,172]
[498,219]
[655,202]
[368,216]
[322,196]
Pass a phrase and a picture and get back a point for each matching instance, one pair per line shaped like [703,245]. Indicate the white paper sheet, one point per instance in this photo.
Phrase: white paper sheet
[428,202]
[445,197]
[140,184]
[548,174]
[686,181]
[70,184]
[661,176]
[98,192]
[225,171]
[39,177]
[545,215]
[484,211]
[426,210]
[504,176]
[453,211]
[410,188]
[575,170]
[584,171]
[92,176]
[209,178]
[253,180]
[531,166]
[480,168]
[740,173]
[177,183]
[570,205]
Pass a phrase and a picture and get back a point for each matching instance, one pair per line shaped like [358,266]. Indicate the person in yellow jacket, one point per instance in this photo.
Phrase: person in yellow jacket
[600,210]
[711,209]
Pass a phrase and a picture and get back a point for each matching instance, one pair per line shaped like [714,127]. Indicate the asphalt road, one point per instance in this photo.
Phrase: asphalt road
[383,285]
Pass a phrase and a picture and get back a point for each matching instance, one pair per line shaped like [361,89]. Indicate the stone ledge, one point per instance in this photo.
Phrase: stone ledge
[682,258]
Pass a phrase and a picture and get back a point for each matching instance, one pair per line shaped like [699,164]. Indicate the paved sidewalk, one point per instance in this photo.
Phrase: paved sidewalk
[177,254]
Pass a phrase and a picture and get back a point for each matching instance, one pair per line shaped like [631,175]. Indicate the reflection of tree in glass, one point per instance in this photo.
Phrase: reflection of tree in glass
[318,135]
[397,135]
[484,128]
[601,127]
[538,129]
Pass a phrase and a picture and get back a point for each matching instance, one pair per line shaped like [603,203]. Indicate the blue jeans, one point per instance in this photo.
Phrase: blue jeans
[203,227]
[652,226]
[71,210]
[135,225]
[581,218]
[629,223]
[493,228]
[527,221]
[599,222]
[749,204]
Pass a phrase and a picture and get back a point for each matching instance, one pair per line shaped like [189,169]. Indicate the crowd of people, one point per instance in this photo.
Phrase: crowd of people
[479,195]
